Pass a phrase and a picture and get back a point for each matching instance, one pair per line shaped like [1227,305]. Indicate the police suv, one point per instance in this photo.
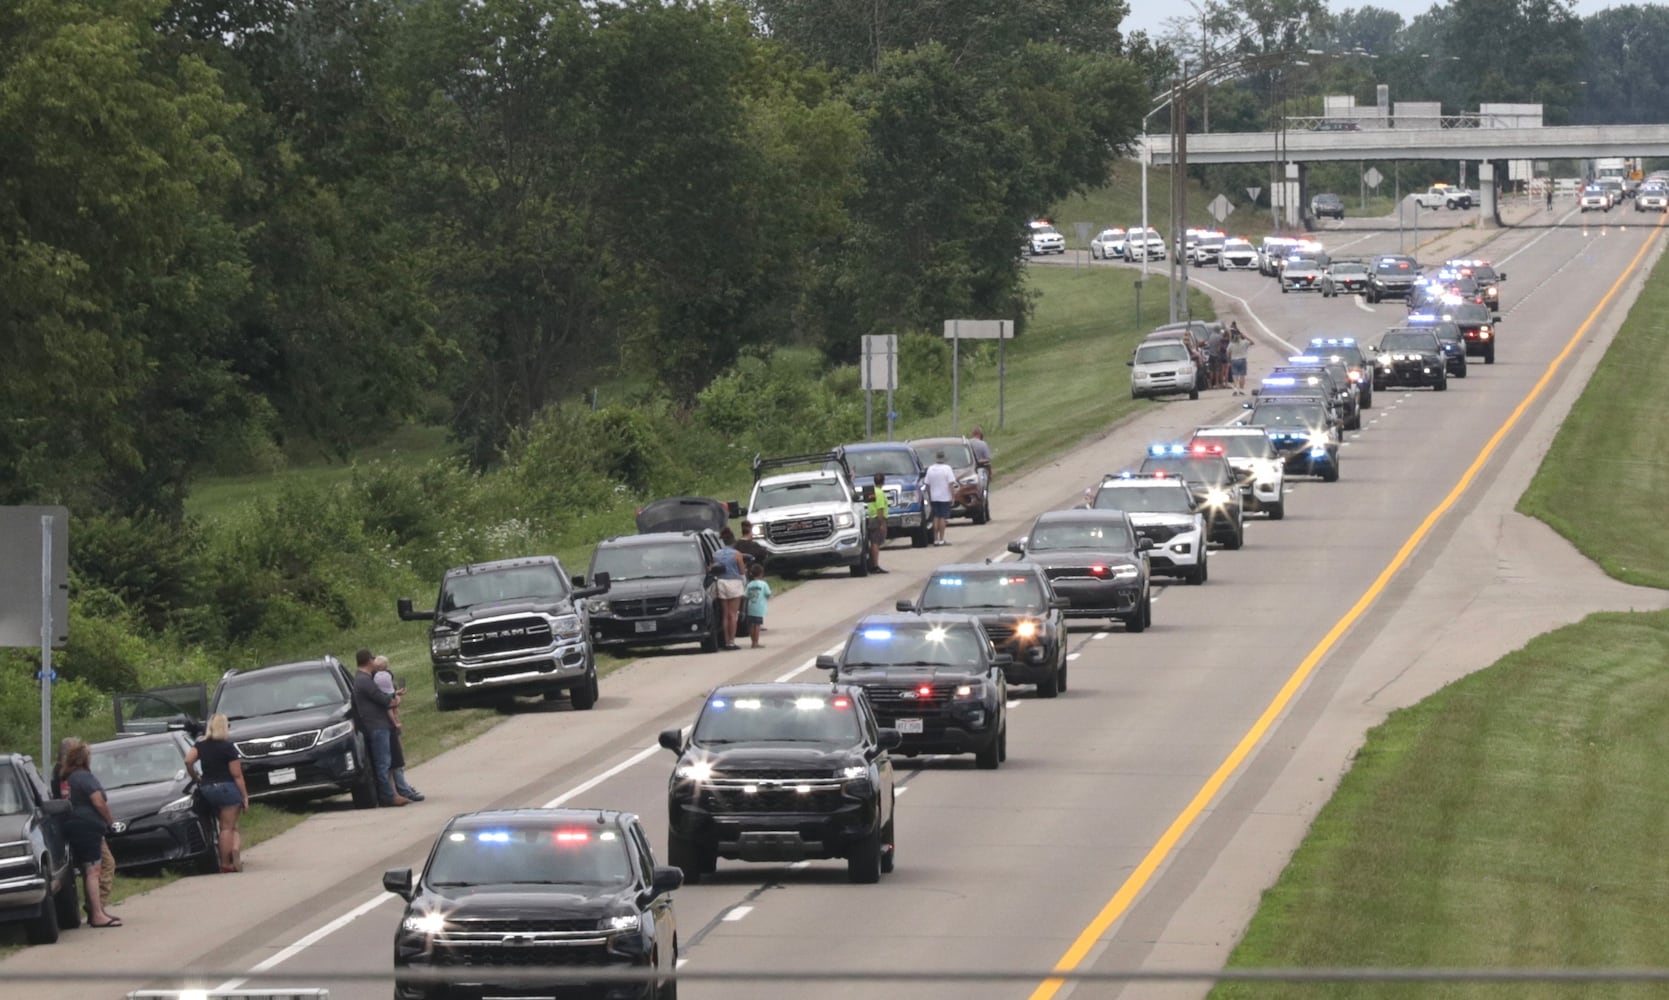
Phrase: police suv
[1163,511]
[1253,457]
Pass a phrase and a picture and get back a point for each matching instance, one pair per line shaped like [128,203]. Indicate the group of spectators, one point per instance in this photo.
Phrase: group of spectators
[1225,358]
[376,697]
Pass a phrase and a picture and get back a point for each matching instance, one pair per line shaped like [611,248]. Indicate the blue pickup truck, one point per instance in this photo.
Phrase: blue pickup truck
[906,493]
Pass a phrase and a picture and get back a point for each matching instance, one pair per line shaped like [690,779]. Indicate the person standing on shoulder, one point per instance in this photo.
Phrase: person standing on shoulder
[371,705]
[876,525]
[396,743]
[61,790]
[730,570]
[1239,346]
[84,828]
[758,600]
[220,779]
[941,486]
[754,553]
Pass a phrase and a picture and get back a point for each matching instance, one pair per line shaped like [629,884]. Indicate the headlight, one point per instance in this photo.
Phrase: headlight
[908,496]
[444,644]
[624,922]
[1317,439]
[855,771]
[424,923]
[567,626]
[1026,630]
[845,520]
[597,606]
[692,598]
[695,770]
[183,803]
[1318,451]
[1216,497]
[1125,571]
[336,731]
[967,691]
[15,849]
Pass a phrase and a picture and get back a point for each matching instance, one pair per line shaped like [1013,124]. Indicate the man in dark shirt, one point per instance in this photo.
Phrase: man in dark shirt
[750,549]
[371,706]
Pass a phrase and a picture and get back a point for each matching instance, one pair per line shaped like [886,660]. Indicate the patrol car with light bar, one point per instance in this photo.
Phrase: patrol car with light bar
[1253,456]
[1322,373]
[1410,358]
[1479,329]
[1302,430]
[1449,336]
[1392,277]
[1163,510]
[1358,367]
[1095,561]
[1019,610]
[1215,486]
[1484,273]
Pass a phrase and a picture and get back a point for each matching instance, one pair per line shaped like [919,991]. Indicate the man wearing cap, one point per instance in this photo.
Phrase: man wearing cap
[940,480]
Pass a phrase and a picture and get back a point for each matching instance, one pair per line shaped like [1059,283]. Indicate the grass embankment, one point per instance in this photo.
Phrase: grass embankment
[1066,380]
[1516,818]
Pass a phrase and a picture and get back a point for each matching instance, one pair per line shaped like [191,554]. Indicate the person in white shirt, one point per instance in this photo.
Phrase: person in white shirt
[940,480]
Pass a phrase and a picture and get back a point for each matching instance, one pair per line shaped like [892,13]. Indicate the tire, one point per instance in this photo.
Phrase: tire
[1061,680]
[1355,423]
[1332,473]
[1442,384]
[1367,399]
[1284,288]
[863,865]
[859,568]
[68,904]
[446,702]
[1276,510]
[688,857]
[364,791]
[208,863]
[710,642]
[43,928]
[889,845]
[922,538]
[1137,620]
[1049,687]
[983,514]
[989,757]
[1236,540]
[584,694]
[1489,355]
[1193,394]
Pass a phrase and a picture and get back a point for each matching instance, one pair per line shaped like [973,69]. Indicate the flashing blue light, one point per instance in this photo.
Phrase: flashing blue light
[1167,449]
[1304,359]
[1282,380]
[1126,474]
[718,703]
[1318,452]
[949,581]
[493,836]
[880,634]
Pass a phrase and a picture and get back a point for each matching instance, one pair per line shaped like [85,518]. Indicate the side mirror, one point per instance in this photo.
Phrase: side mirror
[827,662]
[1500,276]
[908,607]
[407,614]
[1131,363]
[399,882]
[665,880]
[867,493]
[672,739]
[1247,406]
[1002,660]
[1059,603]
[733,510]
[1144,544]
[891,739]
[577,581]
[1017,547]
[599,585]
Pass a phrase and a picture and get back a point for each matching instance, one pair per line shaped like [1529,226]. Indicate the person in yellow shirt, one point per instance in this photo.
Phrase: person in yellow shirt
[878,511]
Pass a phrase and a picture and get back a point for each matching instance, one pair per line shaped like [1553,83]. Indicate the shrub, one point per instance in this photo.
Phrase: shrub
[151,564]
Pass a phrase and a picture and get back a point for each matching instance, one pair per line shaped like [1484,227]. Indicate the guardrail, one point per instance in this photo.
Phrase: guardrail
[1366,123]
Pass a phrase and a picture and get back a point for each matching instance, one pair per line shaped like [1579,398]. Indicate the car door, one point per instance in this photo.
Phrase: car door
[660,910]
[882,758]
[48,828]
[157,710]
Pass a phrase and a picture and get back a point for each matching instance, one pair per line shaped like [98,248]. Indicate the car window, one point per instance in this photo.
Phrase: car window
[793,494]
[1157,353]
[865,464]
[912,644]
[977,591]
[648,562]
[1288,415]
[957,456]
[270,693]
[542,582]
[1407,342]
[1238,445]
[1052,536]
[566,854]
[14,798]
[1144,499]
[124,764]
[791,716]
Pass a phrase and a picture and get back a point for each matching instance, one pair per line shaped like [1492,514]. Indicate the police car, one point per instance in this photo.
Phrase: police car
[1108,243]
[1309,368]
[1302,431]
[1479,329]
[1392,277]
[1162,509]
[1213,482]
[1356,364]
[1449,335]
[1042,237]
[1410,357]
[1484,273]
[1253,457]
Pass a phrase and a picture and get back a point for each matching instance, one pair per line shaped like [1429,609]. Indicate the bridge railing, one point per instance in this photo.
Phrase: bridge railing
[1365,123]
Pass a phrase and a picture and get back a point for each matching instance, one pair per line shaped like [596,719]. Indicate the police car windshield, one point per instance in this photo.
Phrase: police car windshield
[1238,445]
[1065,535]
[1194,470]
[1392,267]
[1407,341]
[525,854]
[793,494]
[122,765]
[1288,415]
[1349,267]
[978,591]
[789,717]
[1470,312]
[1144,499]
[648,562]
[539,583]
[892,462]
[957,456]
[1149,354]
[1299,260]
[927,644]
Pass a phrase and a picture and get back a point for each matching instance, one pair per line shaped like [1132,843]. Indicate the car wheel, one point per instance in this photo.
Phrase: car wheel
[1489,355]
[364,789]
[1002,744]
[889,845]
[1193,394]
[584,694]
[1136,621]
[1060,680]
[1277,510]
[1367,399]
[1331,474]
[208,862]
[1050,686]
[710,642]
[1355,422]
[1199,572]
[922,538]
[1237,539]
[446,702]
[43,928]
[982,513]
[1284,288]
[863,865]
[988,758]
[859,568]
[68,904]
[1442,383]
[684,854]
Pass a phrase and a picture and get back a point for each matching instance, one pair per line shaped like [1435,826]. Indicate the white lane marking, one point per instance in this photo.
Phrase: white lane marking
[1013,702]
[1099,635]
[1362,305]
[799,865]
[1254,317]
[681,963]
[590,783]
[285,954]
[807,665]
[1073,656]
[736,913]
[900,790]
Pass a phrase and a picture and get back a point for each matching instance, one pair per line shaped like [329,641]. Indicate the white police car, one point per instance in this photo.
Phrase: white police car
[1163,511]
[1253,456]
[1042,237]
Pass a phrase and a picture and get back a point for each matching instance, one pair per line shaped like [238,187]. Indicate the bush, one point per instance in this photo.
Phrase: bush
[152,565]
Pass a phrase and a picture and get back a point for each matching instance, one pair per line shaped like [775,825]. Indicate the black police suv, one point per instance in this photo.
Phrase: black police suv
[1479,329]
[509,890]
[1347,352]
[660,592]
[1095,560]
[1304,374]
[782,772]
[1410,357]
[1019,610]
[935,678]
[1391,276]
[1449,336]
[37,876]
[1303,431]
[515,626]
[153,795]
[294,727]
[1215,484]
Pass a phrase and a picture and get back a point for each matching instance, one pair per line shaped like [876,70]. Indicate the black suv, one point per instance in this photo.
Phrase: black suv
[1095,561]
[1327,206]
[1410,357]
[660,590]
[1304,374]
[37,880]
[1019,610]
[1479,329]
[1215,484]
[935,678]
[1449,336]
[514,889]
[1392,276]
[782,772]
[294,727]
[516,626]
[1303,430]
[1357,366]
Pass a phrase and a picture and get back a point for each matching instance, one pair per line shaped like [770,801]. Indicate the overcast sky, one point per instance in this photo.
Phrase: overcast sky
[1151,15]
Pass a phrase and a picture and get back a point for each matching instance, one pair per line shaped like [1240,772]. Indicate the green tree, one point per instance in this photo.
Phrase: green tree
[1627,65]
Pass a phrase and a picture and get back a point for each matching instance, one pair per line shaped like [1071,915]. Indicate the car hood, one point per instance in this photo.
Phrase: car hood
[136,801]
[798,758]
[1068,558]
[1161,517]
[797,511]
[882,676]
[511,902]
[260,726]
[626,590]
[682,514]
[500,609]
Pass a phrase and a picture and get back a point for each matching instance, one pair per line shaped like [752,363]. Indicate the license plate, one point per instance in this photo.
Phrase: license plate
[647,626]
[282,776]
[908,725]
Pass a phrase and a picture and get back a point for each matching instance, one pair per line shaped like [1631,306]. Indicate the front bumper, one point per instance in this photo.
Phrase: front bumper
[1164,383]
[1479,344]
[333,767]
[1413,373]
[1300,282]
[473,970]
[1238,263]
[1098,599]
[957,729]
[1303,461]
[908,522]
[763,835]
[22,888]
[844,548]
[1034,658]
[157,840]
[684,623]
[1391,291]
[565,660]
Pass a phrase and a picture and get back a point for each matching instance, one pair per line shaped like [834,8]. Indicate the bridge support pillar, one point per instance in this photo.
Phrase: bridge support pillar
[1301,203]
[1489,211]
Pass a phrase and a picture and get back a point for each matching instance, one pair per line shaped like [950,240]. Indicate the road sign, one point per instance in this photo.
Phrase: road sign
[1220,207]
[979,329]
[880,362]
[21,574]
[999,330]
[1082,229]
[1373,178]
[1253,193]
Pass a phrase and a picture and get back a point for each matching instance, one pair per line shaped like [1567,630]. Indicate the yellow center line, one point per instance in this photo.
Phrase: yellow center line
[1179,827]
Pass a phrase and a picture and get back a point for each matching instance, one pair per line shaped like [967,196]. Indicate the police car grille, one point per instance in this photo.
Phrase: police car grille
[1158,533]
[802,529]
[506,636]
[891,702]
[530,926]
[999,633]
[288,743]
[819,797]
[643,607]
[511,953]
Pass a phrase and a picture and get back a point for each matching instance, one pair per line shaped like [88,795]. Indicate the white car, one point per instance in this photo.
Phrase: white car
[1208,248]
[1651,198]
[1594,199]
[1138,248]
[1254,459]
[1237,255]
[1163,512]
[809,520]
[1108,243]
[1302,273]
[1044,238]
[1273,252]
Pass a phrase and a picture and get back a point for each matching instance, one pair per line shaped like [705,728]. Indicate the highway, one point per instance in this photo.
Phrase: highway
[1130,785]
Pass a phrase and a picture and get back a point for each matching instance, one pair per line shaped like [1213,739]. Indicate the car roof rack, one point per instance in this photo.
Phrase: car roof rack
[820,459]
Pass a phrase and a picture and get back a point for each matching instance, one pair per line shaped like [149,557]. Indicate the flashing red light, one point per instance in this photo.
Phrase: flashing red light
[1202,448]
[573,836]
[843,703]
[925,690]
[1098,570]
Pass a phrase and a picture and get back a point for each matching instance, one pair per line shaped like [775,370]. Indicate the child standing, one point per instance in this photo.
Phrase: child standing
[758,595]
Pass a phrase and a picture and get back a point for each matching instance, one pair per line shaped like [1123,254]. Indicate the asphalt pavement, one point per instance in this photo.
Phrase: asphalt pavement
[1116,834]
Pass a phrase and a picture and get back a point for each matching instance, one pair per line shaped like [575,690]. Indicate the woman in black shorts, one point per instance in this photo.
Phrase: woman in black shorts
[89,817]
[221,783]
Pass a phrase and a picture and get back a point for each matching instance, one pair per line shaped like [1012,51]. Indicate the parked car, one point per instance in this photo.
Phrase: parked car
[660,592]
[972,497]
[37,879]
[153,795]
